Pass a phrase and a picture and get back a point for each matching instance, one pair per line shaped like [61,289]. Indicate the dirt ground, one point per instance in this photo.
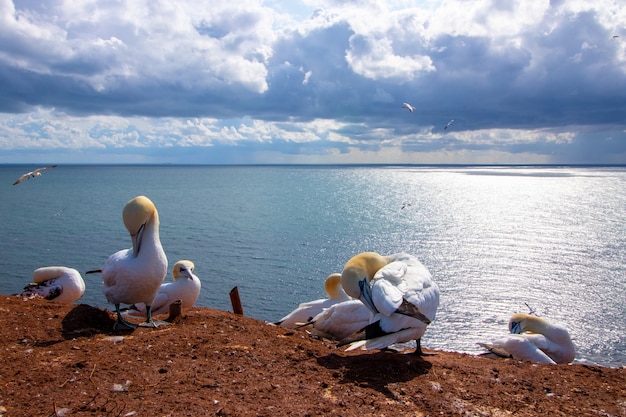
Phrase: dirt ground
[66,361]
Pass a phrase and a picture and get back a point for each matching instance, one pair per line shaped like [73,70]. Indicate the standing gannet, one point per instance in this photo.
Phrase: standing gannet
[134,275]
[399,291]
[408,107]
[306,311]
[56,283]
[534,339]
[186,287]
[33,174]
[341,320]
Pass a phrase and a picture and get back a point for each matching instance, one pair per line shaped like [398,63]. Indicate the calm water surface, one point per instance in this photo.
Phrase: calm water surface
[496,239]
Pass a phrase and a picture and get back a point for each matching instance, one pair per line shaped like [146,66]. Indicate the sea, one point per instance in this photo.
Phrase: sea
[497,239]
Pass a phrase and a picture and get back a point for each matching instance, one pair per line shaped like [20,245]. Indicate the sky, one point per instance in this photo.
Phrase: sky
[313,81]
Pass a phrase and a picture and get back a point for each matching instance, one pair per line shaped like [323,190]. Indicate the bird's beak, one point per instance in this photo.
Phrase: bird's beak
[136,238]
[366,296]
[516,327]
[186,273]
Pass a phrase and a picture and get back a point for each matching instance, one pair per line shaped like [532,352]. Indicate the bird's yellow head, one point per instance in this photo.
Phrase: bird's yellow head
[332,286]
[521,322]
[136,214]
[183,269]
[361,267]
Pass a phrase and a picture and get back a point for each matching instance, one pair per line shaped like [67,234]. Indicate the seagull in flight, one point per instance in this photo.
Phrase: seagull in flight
[408,106]
[33,174]
[449,124]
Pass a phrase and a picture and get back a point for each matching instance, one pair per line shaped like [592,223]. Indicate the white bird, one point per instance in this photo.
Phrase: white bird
[341,320]
[56,283]
[449,124]
[399,291]
[33,174]
[534,339]
[186,287]
[134,275]
[408,106]
[306,311]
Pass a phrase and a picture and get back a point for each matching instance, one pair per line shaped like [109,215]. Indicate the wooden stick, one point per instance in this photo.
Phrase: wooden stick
[236,301]
[176,309]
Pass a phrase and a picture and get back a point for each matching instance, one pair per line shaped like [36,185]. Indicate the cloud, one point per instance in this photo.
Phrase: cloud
[315,81]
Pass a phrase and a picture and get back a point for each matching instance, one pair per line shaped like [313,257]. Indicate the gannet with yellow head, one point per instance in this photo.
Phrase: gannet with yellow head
[134,275]
[186,288]
[56,283]
[400,293]
[306,311]
[534,339]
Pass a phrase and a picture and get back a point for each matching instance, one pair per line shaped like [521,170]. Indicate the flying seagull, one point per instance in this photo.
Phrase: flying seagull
[408,106]
[449,124]
[32,174]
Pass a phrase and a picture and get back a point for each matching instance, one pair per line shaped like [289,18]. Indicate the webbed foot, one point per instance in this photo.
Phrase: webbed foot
[123,325]
[154,323]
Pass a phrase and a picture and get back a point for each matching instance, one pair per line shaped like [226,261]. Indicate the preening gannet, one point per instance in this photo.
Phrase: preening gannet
[534,339]
[408,107]
[306,311]
[186,287]
[399,291]
[56,283]
[33,174]
[134,275]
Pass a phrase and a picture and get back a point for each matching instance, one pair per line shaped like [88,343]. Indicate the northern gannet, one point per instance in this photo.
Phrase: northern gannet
[56,283]
[449,124]
[306,311]
[399,291]
[534,339]
[408,106]
[33,174]
[186,288]
[134,275]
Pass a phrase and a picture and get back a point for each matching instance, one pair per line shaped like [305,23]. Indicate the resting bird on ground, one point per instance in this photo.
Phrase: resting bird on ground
[408,107]
[33,174]
[56,283]
[134,275]
[306,311]
[534,339]
[186,287]
[399,291]
[341,320]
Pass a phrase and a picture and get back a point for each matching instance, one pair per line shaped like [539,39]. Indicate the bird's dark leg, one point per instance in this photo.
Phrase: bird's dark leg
[419,351]
[149,322]
[418,348]
[121,324]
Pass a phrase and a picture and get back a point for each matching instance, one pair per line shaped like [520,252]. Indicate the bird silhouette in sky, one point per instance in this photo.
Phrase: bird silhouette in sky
[408,106]
[33,174]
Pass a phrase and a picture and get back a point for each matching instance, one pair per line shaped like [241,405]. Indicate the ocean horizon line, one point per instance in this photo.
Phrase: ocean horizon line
[355,165]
